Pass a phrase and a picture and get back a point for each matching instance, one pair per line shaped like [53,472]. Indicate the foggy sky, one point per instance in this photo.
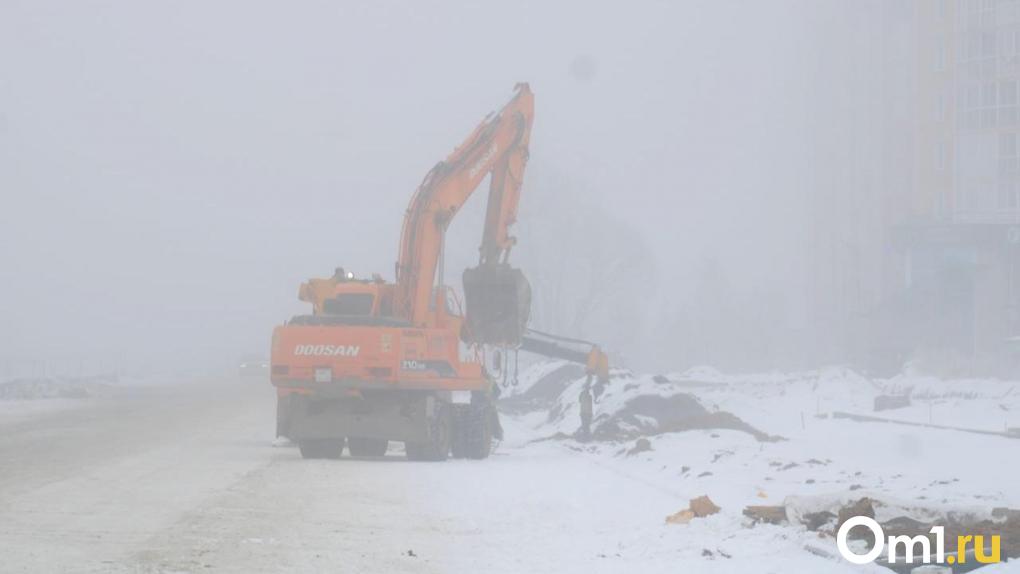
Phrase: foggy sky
[171,172]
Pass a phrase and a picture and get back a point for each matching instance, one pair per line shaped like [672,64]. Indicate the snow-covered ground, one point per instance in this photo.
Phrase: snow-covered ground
[811,458]
[182,478]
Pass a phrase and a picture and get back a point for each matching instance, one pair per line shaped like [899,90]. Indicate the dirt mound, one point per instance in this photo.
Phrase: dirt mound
[544,393]
[646,415]
[627,408]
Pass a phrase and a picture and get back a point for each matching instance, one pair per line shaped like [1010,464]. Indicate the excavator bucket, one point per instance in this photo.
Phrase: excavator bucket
[497,302]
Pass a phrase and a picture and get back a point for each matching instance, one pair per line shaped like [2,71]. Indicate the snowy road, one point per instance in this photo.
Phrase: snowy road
[182,479]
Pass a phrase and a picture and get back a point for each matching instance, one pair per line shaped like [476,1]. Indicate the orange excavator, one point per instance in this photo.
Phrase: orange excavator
[403,361]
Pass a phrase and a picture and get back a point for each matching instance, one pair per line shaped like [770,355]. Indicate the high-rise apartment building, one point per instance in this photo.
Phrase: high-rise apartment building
[959,236]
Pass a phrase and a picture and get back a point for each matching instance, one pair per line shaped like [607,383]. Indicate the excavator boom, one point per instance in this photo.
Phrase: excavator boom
[498,146]
[595,361]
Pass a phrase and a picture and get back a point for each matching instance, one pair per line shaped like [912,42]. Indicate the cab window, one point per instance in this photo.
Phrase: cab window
[349,304]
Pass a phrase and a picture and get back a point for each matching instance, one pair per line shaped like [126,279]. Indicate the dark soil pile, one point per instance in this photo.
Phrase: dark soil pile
[646,415]
[545,392]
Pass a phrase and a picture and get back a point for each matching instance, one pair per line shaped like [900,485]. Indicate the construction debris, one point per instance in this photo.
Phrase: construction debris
[699,507]
[703,506]
[682,517]
[816,521]
[862,507]
[819,514]
[766,514]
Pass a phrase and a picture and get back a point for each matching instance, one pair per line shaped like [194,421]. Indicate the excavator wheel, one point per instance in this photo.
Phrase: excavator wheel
[321,448]
[361,447]
[438,446]
[472,431]
[282,416]
[458,448]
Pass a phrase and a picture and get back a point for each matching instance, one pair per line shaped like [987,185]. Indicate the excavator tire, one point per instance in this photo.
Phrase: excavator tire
[458,446]
[363,447]
[437,448]
[472,435]
[282,416]
[321,448]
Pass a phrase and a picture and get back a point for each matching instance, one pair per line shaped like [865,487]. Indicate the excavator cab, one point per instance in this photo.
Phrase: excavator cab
[497,299]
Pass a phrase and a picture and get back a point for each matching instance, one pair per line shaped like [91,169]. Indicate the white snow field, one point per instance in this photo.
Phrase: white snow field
[182,477]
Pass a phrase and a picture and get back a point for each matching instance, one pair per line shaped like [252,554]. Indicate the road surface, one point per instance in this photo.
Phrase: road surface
[183,478]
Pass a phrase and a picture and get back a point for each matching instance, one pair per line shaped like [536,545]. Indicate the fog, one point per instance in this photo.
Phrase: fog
[793,227]
[171,172]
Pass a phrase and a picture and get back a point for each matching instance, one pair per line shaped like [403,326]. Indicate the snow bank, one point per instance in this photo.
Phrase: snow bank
[913,475]
[56,387]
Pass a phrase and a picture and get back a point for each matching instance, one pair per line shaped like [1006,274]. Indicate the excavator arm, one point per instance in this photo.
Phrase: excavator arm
[498,146]
[595,361]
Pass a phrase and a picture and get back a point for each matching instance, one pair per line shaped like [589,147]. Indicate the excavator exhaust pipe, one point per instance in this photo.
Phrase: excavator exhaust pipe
[497,301]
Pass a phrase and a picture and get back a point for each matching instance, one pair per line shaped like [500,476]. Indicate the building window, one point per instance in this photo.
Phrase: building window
[1009,170]
[988,44]
[1009,100]
[1007,155]
[972,49]
[940,54]
[1007,43]
[1007,194]
[1007,145]
[940,156]
[988,115]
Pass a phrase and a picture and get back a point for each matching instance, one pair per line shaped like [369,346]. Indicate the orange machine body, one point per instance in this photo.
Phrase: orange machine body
[331,353]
